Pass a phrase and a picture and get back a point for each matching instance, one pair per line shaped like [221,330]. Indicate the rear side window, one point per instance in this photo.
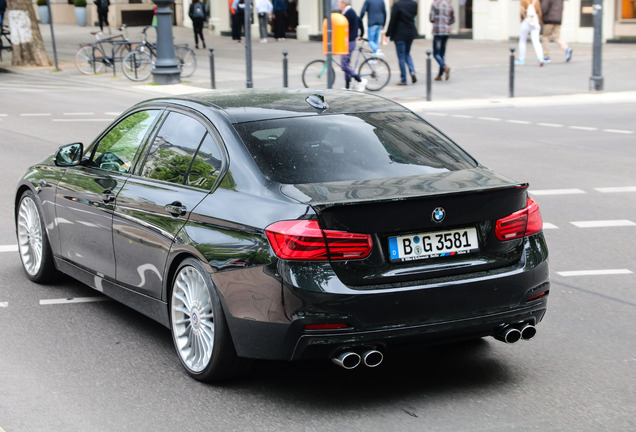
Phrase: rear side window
[317,149]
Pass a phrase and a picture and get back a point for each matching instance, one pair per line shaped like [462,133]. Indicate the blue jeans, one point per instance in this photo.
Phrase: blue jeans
[345,64]
[439,51]
[374,37]
[403,49]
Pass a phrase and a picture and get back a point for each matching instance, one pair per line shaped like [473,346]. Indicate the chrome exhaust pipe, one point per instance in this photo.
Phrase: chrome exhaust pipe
[347,360]
[528,331]
[508,335]
[372,358]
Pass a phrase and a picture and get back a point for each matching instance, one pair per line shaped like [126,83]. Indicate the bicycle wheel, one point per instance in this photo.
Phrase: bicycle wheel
[315,75]
[187,60]
[137,65]
[377,72]
[89,60]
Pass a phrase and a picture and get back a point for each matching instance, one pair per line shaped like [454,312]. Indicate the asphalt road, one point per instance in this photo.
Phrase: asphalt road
[99,366]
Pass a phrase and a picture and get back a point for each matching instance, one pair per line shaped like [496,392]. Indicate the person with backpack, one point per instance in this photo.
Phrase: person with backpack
[530,12]
[197,15]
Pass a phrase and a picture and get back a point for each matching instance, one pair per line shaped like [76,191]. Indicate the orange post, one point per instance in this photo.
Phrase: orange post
[339,34]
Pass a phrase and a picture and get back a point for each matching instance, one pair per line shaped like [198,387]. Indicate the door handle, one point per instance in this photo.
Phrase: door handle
[176,209]
[108,196]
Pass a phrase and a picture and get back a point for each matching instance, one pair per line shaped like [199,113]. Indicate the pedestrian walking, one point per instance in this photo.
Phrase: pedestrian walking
[263,8]
[552,11]
[442,16]
[197,15]
[345,60]
[402,32]
[237,8]
[280,19]
[102,13]
[375,21]
[530,13]
[3,8]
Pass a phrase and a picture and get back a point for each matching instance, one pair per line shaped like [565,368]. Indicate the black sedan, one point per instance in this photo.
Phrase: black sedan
[288,225]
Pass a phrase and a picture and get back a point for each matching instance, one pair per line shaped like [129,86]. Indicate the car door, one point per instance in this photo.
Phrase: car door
[180,168]
[85,196]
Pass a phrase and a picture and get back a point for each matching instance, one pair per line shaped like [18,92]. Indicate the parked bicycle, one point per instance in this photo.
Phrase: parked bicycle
[93,58]
[371,66]
[137,64]
[5,38]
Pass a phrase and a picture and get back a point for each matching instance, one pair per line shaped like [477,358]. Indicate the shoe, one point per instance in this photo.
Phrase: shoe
[520,62]
[400,83]
[447,72]
[541,62]
[203,42]
[263,40]
[362,85]
[413,78]
[568,54]
[438,78]
[196,46]
[547,59]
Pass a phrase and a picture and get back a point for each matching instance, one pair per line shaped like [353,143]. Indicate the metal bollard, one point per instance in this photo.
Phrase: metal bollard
[429,81]
[285,81]
[212,68]
[512,72]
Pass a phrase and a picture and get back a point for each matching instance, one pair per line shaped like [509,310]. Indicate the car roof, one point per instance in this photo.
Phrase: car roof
[253,105]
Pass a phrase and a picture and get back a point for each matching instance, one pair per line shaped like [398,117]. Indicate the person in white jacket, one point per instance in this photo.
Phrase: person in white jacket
[531,18]
[263,9]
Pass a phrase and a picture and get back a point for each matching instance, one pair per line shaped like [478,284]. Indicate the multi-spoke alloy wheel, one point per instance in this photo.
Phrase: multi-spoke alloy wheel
[192,319]
[199,329]
[34,248]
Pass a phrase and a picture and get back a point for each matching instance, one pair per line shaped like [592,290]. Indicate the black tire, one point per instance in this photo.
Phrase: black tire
[33,242]
[137,66]
[315,75]
[377,72]
[89,62]
[199,328]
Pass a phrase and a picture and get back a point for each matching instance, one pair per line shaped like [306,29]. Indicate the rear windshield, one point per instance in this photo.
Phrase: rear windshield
[346,147]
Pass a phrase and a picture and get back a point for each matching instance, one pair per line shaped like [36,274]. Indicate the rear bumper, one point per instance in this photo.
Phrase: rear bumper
[428,312]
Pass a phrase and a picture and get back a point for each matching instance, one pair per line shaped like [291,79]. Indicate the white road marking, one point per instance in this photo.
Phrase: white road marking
[8,248]
[548,226]
[464,116]
[4,304]
[603,223]
[619,131]
[595,272]
[73,300]
[437,114]
[554,125]
[79,114]
[616,189]
[494,119]
[35,115]
[583,128]
[557,192]
[112,113]
[524,122]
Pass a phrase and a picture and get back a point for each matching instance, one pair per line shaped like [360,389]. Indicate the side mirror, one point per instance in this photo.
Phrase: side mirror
[69,155]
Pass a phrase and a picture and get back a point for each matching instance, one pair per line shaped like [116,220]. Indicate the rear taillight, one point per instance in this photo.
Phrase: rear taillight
[523,223]
[304,240]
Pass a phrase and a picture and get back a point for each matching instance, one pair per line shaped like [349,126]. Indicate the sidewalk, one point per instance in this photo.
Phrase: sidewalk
[480,70]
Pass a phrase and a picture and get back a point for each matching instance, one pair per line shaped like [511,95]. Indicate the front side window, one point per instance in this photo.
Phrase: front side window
[117,149]
[172,152]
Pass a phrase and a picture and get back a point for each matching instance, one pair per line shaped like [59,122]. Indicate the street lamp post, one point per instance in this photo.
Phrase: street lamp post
[166,69]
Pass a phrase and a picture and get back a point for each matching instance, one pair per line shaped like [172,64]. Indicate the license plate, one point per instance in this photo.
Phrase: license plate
[433,244]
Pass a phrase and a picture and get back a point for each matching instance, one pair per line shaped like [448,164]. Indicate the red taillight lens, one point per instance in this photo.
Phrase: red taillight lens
[304,240]
[523,223]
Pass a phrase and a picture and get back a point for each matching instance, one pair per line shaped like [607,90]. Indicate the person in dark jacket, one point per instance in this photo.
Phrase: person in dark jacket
[280,19]
[355,25]
[102,13]
[402,32]
[197,15]
[375,21]
[552,17]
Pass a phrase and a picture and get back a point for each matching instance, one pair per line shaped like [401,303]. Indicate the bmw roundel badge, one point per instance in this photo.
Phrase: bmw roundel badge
[439,214]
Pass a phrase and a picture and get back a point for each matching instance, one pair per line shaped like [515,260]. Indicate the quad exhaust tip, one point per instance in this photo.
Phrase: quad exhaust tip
[351,360]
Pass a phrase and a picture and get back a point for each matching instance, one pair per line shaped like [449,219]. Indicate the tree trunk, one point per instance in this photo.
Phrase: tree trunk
[26,39]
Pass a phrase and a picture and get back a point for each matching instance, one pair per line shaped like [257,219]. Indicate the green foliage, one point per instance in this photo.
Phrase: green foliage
[79,3]
[40,2]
